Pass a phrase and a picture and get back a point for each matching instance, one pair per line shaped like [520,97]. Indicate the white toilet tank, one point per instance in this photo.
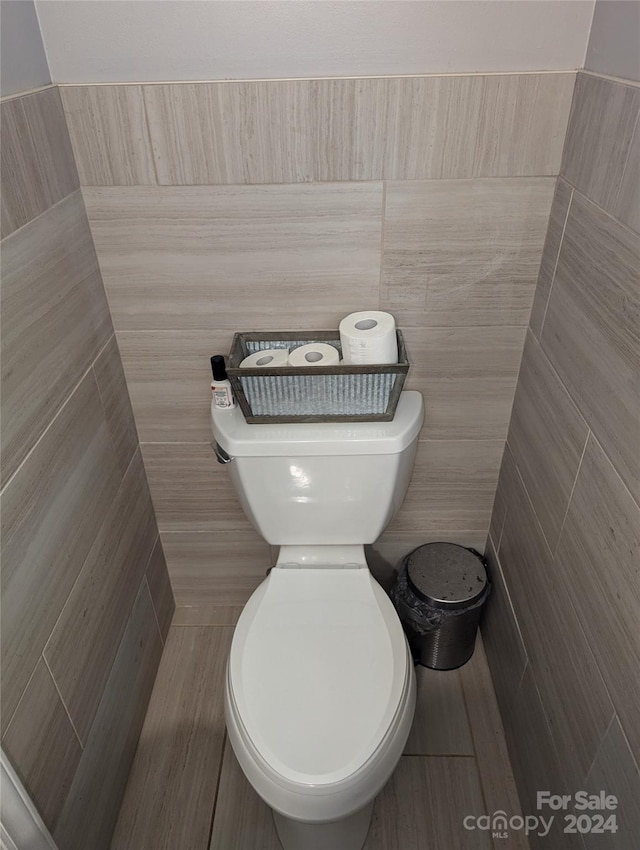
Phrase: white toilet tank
[321,483]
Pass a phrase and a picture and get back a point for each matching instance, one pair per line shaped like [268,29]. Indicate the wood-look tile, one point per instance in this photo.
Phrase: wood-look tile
[536,764]
[169,376]
[115,400]
[431,127]
[55,319]
[627,206]
[232,132]
[547,436]
[385,556]
[463,252]
[237,257]
[616,771]
[501,636]
[91,810]
[86,637]
[51,513]
[242,819]
[349,128]
[467,377]
[108,130]
[172,785]
[440,725]
[219,568]
[191,491]
[206,615]
[597,352]
[452,487]
[37,165]
[160,589]
[476,126]
[575,699]
[598,558]
[557,220]
[603,118]
[522,124]
[424,804]
[42,745]
[496,776]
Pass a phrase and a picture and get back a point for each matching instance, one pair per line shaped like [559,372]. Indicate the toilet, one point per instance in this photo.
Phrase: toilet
[320,687]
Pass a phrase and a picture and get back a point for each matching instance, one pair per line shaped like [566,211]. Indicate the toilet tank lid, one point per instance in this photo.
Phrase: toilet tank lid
[239,439]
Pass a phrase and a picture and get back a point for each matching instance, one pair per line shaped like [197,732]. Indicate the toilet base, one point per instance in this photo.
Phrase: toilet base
[346,834]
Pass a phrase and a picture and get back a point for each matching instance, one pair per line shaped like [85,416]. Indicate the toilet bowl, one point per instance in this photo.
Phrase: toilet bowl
[320,686]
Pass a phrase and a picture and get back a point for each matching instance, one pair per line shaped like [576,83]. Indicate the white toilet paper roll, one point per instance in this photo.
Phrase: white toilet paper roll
[369,337]
[314,354]
[266,359]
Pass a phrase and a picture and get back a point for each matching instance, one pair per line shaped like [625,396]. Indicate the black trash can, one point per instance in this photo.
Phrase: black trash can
[439,596]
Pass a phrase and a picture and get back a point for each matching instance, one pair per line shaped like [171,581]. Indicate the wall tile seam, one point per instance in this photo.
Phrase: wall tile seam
[630,753]
[547,723]
[27,93]
[136,187]
[620,80]
[57,413]
[545,73]
[104,408]
[209,328]
[555,265]
[44,212]
[636,131]
[110,667]
[576,190]
[64,705]
[150,147]
[145,581]
[585,637]
[514,616]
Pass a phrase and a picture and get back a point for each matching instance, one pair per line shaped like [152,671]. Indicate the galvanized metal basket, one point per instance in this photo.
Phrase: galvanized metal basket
[341,393]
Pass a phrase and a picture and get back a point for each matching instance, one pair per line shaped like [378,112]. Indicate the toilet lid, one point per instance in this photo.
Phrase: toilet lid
[317,671]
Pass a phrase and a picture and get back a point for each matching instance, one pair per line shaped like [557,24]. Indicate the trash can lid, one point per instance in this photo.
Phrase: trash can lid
[446,575]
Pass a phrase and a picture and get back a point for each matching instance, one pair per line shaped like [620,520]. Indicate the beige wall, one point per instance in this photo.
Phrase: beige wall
[562,630]
[85,594]
[224,206]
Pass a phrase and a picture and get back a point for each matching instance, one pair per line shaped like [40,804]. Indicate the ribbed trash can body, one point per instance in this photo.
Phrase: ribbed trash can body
[439,596]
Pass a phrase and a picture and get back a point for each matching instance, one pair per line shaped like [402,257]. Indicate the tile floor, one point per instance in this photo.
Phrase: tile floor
[187,792]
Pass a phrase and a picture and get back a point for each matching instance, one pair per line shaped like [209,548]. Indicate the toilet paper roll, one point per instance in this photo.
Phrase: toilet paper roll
[266,359]
[314,354]
[369,337]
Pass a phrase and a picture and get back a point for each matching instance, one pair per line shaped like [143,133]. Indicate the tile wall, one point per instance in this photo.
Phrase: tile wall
[86,600]
[562,631]
[229,206]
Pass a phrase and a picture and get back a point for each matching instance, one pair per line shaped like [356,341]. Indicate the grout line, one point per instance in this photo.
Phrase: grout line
[22,693]
[8,97]
[613,79]
[122,83]
[382,233]
[78,190]
[153,607]
[575,481]
[636,132]
[55,684]
[148,128]
[555,266]
[57,414]
[225,741]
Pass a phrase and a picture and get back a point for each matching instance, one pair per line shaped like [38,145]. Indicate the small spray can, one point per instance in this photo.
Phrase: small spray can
[221,386]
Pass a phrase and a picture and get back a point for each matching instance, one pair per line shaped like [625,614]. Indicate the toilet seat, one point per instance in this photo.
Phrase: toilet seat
[317,676]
